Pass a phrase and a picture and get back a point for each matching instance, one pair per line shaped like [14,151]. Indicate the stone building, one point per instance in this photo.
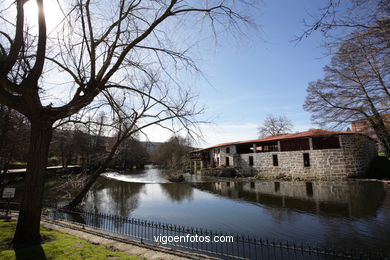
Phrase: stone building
[314,154]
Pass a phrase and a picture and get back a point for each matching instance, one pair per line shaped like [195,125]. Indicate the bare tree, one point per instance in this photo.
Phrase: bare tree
[338,20]
[96,51]
[355,87]
[356,84]
[274,125]
[131,154]
[13,136]
[173,154]
[129,119]
[80,144]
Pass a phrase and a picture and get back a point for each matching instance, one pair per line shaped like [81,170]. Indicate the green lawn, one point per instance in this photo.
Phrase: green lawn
[17,165]
[56,246]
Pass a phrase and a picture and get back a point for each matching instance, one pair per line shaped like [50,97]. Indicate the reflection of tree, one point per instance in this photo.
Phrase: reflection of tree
[368,200]
[125,196]
[92,200]
[114,197]
[177,191]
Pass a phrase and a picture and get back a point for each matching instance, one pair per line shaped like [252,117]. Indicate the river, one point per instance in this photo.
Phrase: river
[351,214]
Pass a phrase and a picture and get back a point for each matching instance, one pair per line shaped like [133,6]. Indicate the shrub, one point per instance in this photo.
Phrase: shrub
[53,161]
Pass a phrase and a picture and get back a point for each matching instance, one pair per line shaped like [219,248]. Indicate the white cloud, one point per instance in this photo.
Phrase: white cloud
[223,133]
[302,128]
[212,133]
[156,133]
[217,133]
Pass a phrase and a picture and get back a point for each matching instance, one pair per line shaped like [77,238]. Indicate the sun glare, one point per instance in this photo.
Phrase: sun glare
[52,11]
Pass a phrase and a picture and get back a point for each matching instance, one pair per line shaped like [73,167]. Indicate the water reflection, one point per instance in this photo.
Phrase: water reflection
[345,199]
[114,197]
[355,214]
[178,191]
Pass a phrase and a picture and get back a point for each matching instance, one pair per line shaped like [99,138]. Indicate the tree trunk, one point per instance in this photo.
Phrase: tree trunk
[91,180]
[28,227]
[384,139]
[77,200]
[381,131]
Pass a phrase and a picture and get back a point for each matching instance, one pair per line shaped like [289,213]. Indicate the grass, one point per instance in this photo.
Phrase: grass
[17,165]
[56,245]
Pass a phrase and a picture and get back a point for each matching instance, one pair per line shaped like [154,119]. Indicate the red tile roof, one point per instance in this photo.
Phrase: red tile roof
[310,133]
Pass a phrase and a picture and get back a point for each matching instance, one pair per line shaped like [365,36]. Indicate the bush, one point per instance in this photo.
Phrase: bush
[53,161]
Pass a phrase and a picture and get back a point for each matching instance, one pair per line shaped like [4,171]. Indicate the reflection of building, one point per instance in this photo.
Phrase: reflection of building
[316,154]
[346,199]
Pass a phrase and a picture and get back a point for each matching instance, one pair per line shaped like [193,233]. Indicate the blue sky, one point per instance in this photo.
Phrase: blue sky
[251,77]
[264,74]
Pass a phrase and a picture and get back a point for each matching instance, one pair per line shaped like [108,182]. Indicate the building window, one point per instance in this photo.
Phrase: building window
[227,149]
[306,160]
[250,160]
[275,160]
[227,161]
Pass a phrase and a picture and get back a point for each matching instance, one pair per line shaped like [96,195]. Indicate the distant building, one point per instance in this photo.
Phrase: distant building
[314,154]
[363,127]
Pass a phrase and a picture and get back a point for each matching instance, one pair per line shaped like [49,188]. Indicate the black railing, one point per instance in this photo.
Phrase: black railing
[238,246]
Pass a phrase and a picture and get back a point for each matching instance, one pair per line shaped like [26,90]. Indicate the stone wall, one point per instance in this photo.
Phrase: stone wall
[223,154]
[351,159]
[218,172]
[359,150]
[323,164]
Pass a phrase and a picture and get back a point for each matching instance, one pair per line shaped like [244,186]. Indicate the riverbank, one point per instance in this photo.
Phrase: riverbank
[56,245]
[50,168]
[65,240]
[259,179]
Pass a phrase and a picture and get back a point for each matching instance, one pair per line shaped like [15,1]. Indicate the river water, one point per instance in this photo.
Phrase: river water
[349,214]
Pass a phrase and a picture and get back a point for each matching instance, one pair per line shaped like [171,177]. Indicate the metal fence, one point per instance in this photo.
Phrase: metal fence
[238,246]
